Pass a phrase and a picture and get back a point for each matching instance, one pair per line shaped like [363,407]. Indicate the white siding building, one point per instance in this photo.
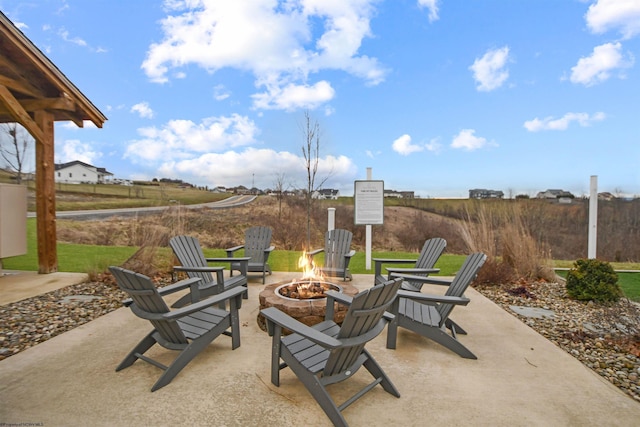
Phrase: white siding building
[77,172]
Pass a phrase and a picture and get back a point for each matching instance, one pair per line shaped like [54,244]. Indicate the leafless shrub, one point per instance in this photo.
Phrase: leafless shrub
[511,250]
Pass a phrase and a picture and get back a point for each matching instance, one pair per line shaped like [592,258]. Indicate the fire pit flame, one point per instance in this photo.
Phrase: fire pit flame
[310,271]
[310,286]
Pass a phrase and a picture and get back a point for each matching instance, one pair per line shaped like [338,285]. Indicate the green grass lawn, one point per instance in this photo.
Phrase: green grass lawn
[96,259]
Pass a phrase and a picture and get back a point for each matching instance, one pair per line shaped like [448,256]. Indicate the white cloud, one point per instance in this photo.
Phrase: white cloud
[75,40]
[598,67]
[403,146]
[550,123]
[433,145]
[276,41]
[183,139]
[292,97]
[232,168]
[220,93]
[489,71]
[468,141]
[432,5]
[621,15]
[74,149]
[143,110]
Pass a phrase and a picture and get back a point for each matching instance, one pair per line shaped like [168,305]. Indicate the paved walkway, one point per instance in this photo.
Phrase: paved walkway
[519,379]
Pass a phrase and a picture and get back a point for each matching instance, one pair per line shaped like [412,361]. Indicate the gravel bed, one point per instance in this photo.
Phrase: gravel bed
[605,338]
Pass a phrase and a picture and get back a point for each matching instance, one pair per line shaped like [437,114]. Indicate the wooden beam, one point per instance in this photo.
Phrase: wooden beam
[21,86]
[32,105]
[46,195]
[21,115]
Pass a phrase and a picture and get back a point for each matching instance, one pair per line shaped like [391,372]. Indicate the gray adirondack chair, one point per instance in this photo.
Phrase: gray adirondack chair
[337,253]
[188,330]
[328,353]
[257,246]
[423,266]
[189,252]
[428,315]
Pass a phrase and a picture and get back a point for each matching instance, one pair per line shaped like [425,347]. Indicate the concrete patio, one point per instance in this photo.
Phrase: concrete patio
[519,379]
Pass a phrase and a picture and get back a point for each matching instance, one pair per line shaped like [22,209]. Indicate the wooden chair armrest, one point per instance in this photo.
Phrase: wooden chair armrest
[394,261]
[235,248]
[243,261]
[230,251]
[431,280]
[197,269]
[270,248]
[283,320]
[208,269]
[315,252]
[412,270]
[229,259]
[417,296]
[211,301]
[191,282]
[351,253]
[379,261]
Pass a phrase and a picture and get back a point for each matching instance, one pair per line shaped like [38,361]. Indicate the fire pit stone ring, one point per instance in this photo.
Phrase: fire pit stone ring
[307,311]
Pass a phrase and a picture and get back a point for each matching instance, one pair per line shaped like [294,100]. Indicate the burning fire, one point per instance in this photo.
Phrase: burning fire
[310,271]
[310,286]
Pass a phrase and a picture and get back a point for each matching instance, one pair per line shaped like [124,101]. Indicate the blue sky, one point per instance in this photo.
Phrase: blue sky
[436,96]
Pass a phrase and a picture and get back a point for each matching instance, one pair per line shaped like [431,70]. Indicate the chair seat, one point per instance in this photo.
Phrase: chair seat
[420,313]
[197,324]
[312,356]
[229,283]
[253,267]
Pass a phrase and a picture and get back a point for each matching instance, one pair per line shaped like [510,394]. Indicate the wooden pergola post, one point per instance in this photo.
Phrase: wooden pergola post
[46,196]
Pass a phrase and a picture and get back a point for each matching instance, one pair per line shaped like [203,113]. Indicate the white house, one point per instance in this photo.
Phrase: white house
[326,194]
[78,172]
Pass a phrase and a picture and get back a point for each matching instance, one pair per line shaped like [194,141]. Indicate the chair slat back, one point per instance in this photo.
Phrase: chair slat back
[146,298]
[337,245]
[256,241]
[364,315]
[462,280]
[189,252]
[431,251]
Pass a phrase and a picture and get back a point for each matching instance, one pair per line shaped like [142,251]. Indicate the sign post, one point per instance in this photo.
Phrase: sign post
[369,208]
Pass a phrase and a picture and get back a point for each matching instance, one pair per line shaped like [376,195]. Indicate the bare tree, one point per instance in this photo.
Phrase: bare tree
[280,188]
[15,144]
[311,154]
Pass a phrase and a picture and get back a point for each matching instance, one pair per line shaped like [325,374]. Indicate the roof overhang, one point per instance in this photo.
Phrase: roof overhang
[30,82]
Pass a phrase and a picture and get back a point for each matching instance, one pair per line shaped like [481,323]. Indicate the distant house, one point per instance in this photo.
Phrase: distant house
[481,193]
[606,196]
[77,172]
[399,194]
[326,194]
[555,194]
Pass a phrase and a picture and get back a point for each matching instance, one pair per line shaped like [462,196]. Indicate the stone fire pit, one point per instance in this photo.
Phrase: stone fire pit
[307,311]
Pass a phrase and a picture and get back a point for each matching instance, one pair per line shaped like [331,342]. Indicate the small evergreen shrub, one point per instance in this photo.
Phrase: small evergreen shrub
[593,280]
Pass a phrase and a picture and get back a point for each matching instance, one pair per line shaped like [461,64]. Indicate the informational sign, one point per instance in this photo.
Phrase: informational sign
[369,202]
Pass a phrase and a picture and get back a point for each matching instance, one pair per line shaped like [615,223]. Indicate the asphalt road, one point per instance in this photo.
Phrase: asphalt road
[231,202]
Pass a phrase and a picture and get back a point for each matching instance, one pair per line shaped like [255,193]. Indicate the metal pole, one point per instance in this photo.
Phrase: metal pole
[593,217]
[368,234]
